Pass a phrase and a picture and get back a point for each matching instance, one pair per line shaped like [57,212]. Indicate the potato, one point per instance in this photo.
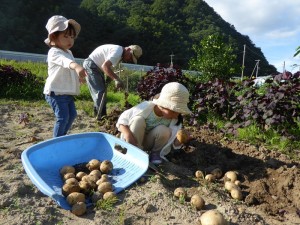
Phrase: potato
[210,178]
[236,194]
[197,201]
[106,166]
[89,179]
[212,217]
[231,176]
[217,172]
[229,186]
[109,194]
[93,177]
[96,173]
[104,178]
[79,208]
[182,136]
[75,197]
[199,174]
[237,183]
[85,187]
[80,175]
[93,164]
[105,187]
[68,175]
[66,169]
[70,188]
[180,192]
[72,180]
[96,197]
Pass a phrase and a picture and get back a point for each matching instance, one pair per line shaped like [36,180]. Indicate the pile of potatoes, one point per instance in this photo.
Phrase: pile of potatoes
[92,182]
[230,178]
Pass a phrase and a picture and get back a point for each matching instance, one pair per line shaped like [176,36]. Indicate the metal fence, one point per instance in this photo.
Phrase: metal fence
[24,56]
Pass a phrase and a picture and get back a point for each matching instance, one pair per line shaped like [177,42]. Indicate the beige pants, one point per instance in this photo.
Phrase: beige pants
[151,141]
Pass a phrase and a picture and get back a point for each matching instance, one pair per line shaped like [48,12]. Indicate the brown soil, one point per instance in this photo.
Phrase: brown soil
[270,180]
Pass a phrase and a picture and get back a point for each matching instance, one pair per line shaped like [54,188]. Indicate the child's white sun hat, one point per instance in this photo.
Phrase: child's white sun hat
[174,96]
[60,23]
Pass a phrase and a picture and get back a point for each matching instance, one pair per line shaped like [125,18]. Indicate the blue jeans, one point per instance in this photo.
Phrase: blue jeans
[65,112]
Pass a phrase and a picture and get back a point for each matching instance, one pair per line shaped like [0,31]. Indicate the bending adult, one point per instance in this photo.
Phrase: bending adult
[100,63]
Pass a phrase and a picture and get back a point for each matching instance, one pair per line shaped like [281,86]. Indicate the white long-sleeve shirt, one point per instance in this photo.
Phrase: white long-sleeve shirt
[61,79]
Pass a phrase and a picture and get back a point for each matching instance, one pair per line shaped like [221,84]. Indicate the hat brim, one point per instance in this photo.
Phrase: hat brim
[76,26]
[134,59]
[182,109]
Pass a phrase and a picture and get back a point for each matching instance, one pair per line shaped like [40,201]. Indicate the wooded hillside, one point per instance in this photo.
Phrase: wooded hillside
[160,27]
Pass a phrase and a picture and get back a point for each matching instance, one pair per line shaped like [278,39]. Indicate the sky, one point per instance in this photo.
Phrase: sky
[272,25]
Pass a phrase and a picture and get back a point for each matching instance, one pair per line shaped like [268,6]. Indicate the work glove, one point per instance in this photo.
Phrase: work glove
[119,83]
[183,136]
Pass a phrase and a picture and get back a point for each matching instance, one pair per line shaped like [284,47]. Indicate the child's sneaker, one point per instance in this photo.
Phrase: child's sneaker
[155,158]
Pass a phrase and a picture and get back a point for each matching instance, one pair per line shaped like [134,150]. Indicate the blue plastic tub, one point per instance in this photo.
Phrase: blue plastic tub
[43,161]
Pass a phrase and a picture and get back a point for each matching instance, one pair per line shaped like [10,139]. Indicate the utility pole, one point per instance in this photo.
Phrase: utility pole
[171,64]
[257,67]
[243,62]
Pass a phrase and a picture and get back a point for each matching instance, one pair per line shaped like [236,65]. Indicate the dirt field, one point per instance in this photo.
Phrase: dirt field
[270,180]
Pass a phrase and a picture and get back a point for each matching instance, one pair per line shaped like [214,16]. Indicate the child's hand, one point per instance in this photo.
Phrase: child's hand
[128,137]
[80,71]
[183,136]
[81,74]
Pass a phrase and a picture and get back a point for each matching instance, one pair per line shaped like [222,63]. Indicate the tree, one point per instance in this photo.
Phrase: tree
[214,58]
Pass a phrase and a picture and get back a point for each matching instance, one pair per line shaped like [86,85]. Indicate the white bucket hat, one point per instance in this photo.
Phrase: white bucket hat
[174,96]
[136,52]
[60,23]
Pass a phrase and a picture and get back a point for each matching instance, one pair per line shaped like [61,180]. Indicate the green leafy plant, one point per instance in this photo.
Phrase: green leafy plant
[106,204]
[214,58]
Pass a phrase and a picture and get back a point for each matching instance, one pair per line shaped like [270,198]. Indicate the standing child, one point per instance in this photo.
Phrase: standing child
[153,125]
[64,74]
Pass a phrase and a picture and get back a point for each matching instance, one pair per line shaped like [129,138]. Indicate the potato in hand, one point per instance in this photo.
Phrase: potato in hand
[183,136]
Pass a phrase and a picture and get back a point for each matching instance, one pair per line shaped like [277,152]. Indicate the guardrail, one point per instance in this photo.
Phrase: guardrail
[24,56]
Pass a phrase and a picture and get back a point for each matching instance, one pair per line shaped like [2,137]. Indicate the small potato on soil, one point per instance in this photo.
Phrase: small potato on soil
[79,208]
[236,194]
[237,183]
[210,178]
[106,166]
[217,172]
[197,201]
[93,164]
[212,217]
[109,194]
[105,187]
[178,192]
[66,169]
[75,197]
[231,176]
[230,185]
[199,174]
